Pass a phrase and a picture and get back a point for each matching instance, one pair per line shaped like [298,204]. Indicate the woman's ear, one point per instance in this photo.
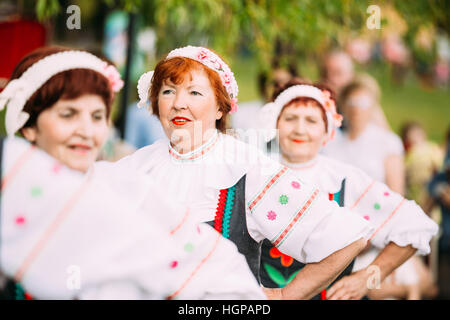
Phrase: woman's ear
[29,133]
[219,114]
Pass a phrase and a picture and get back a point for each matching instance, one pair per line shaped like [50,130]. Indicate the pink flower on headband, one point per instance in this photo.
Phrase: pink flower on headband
[234,106]
[330,106]
[226,78]
[202,55]
[113,77]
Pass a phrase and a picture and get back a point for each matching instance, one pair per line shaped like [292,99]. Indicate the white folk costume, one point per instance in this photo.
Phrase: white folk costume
[248,198]
[67,235]
[394,218]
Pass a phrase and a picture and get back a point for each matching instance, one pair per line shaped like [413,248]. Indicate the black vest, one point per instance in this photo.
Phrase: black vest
[237,230]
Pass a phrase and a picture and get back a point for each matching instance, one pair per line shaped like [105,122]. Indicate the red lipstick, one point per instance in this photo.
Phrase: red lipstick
[180,121]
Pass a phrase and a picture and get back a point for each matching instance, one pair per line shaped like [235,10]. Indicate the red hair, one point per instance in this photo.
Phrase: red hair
[69,84]
[176,70]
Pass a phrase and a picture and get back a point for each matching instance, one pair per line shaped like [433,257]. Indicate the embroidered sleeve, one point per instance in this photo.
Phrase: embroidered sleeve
[296,217]
[393,217]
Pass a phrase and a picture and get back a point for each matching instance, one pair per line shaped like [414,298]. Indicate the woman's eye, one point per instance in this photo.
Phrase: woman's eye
[167,91]
[196,93]
[98,116]
[66,115]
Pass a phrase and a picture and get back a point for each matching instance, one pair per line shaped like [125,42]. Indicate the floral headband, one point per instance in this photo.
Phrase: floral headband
[271,111]
[18,91]
[205,57]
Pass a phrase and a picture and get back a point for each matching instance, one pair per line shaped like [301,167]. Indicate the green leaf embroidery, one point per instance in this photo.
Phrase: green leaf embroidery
[275,275]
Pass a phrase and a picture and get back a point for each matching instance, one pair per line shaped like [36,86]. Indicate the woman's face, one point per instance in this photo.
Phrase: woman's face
[188,111]
[73,131]
[302,131]
[358,108]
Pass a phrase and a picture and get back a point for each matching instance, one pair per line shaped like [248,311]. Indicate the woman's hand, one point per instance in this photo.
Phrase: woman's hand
[352,287]
[273,294]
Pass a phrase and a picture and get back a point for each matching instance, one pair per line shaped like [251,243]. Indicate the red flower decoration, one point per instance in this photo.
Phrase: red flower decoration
[202,55]
[286,260]
[227,78]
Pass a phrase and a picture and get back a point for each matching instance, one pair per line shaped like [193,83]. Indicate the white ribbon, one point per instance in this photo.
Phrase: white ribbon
[143,87]
[14,96]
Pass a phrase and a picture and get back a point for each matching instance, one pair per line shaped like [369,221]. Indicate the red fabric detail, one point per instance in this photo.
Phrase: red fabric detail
[323,295]
[21,37]
[27,296]
[220,210]
[286,260]
[331,196]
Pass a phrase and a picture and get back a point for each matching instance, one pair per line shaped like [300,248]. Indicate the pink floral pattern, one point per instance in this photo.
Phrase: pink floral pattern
[295,184]
[271,215]
[330,106]
[113,77]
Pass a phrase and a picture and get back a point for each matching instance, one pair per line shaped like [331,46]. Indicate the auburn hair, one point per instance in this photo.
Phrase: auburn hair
[176,70]
[70,84]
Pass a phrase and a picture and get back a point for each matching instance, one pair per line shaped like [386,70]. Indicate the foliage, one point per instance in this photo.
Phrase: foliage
[301,28]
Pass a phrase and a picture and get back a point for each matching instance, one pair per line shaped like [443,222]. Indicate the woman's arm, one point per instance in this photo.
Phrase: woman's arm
[356,285]
[315,277]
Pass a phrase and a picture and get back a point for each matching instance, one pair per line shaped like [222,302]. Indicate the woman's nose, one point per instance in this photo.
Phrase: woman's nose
[299,126]
[180,101]
[85,127]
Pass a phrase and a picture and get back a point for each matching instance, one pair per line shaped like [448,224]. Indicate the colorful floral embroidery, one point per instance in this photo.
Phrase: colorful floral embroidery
[286,260]
[174,264]
[20,220]
[284,199]
[56,167]
[367,217]
[273,180]
[376,206]
[280,237]
[189,247]
[386,194]
[36,191]
[295,185]
[271,215]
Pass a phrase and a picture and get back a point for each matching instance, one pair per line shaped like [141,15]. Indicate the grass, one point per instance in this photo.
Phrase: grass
[411,101]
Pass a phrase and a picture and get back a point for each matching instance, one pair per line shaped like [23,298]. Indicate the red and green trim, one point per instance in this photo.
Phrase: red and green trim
[224,211]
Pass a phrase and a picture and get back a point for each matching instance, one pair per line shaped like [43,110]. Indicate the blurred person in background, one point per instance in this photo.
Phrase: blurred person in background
[423,159]
[142,129]
[267,81]
[375,150]
[439,190]
[337,71]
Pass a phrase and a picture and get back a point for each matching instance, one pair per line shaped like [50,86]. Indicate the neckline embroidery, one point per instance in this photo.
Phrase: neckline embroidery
[197,153]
